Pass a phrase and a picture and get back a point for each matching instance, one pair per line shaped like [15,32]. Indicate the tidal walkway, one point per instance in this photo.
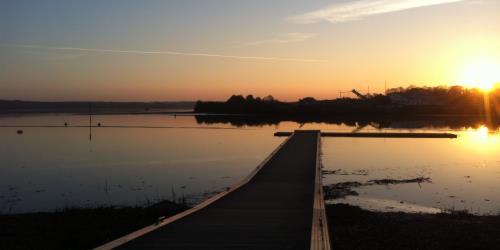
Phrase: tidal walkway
[279,206]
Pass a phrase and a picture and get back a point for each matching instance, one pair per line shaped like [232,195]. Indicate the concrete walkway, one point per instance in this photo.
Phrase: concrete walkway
[274,210]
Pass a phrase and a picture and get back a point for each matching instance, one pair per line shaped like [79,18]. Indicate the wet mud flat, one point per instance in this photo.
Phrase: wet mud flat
[350,228]
[78,228]
[343,189]
[354,228]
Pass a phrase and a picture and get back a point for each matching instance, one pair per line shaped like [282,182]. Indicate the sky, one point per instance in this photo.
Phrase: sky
[172,50]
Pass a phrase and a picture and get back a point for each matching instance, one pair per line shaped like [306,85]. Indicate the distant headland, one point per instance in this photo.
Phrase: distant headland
[411,102]
[396,102]
[15,106]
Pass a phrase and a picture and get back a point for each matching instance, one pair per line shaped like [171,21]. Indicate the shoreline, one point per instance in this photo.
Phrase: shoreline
[350,228]
[354,228]
[78,228]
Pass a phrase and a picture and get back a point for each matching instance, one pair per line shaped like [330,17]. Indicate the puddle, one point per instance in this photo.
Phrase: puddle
[344,189]
[384,205]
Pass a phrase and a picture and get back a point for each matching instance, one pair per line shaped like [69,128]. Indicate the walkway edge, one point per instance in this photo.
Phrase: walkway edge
[122,240]
[380,135]
[320,238]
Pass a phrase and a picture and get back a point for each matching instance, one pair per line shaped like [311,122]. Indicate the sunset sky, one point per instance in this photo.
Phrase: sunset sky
[151,50]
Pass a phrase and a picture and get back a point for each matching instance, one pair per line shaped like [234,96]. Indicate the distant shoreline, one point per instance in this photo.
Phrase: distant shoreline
[408,102]
[33,107]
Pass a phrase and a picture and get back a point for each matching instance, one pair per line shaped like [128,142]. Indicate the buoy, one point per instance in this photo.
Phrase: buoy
[65,124]
[19,131]
[98,124]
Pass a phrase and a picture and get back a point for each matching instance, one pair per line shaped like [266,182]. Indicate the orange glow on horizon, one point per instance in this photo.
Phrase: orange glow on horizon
[483,74]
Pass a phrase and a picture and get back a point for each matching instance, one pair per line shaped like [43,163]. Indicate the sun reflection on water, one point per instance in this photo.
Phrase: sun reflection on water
[481,139]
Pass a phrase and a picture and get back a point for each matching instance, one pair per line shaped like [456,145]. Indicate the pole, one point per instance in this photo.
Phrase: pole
[90,122]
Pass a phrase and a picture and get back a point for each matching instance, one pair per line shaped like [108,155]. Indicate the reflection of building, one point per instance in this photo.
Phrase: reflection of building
[414,99]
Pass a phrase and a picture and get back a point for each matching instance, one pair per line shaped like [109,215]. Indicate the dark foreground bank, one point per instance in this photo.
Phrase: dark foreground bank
[355,228]
[350,228]
[78,228]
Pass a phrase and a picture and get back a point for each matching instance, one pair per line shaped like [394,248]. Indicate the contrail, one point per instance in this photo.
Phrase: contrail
[174,53]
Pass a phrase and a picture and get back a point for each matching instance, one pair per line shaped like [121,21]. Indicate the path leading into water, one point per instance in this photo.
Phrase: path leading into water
[273,210]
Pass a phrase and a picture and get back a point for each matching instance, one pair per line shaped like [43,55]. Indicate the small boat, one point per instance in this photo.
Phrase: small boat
[20,131]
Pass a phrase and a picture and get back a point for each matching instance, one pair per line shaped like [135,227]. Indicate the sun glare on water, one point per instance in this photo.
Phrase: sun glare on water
[481,140]
[483,74]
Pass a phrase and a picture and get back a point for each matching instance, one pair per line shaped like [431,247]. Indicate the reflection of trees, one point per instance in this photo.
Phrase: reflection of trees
[421,122]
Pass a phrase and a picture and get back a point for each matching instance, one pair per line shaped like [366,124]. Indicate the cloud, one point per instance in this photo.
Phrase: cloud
[356,10]
[285,38]
[172,53]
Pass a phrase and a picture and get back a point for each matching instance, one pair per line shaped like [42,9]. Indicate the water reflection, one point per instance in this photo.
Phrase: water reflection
[464,173]
[147,157]
[48,168]
[481,140]
[353,122]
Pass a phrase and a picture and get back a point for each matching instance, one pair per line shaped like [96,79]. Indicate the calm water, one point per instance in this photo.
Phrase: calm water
[49,168]
[464,172]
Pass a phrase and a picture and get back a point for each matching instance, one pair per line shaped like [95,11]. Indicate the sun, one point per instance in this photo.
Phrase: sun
[482,74]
